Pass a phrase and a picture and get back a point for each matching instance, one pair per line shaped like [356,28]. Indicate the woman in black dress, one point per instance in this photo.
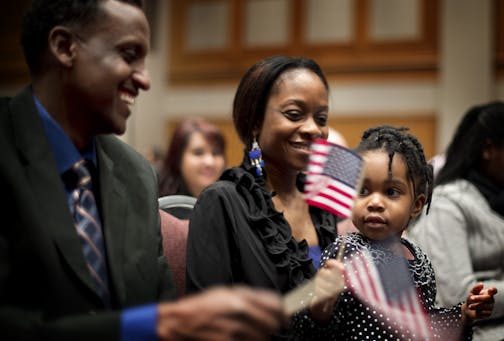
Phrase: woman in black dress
[253,226]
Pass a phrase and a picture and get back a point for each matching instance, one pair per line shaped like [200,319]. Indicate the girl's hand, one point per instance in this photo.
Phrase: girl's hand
[479,303]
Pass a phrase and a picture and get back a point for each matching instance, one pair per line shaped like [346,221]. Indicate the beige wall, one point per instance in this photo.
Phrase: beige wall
[467,76]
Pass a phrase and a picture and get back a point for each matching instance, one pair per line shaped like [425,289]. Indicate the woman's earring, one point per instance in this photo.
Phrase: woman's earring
[255,155]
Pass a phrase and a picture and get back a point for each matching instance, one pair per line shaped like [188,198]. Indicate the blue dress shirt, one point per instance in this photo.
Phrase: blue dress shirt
[315,253]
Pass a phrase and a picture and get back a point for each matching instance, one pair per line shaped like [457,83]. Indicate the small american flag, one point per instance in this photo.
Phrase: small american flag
[332,178]
[388,288]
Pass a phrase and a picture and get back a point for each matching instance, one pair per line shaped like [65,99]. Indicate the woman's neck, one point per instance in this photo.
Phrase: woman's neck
[282,182]
[290,201]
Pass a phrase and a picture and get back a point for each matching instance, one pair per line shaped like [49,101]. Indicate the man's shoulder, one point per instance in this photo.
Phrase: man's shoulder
[7,121]
[120,151]
[21,102]
[4,106]
[126,164]
[4,102]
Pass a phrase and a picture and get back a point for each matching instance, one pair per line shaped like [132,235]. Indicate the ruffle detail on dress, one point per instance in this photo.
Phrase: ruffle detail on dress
[290,257]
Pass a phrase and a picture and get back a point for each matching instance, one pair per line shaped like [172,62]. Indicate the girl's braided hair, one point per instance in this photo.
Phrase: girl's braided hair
[396,140]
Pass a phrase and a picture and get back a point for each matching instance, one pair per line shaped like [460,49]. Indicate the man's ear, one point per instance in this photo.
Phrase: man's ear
[62,45]
[418,206]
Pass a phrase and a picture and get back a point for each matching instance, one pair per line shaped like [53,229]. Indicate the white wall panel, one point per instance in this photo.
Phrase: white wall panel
[208,26]
[266,22]
[394,19]
[329,21]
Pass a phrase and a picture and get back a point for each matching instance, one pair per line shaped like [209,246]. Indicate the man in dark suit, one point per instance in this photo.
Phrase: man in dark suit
[86,60]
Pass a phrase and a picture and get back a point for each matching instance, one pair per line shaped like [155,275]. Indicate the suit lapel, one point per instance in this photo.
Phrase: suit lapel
[112,199]
[48,190]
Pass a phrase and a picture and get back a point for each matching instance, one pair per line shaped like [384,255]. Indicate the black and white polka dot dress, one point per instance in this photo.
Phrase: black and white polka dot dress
[354,320]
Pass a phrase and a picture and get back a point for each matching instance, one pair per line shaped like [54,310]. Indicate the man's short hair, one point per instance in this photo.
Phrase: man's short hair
[44,15]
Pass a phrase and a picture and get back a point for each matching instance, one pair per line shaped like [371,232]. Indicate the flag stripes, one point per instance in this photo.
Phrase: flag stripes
[406,310]
[332,177]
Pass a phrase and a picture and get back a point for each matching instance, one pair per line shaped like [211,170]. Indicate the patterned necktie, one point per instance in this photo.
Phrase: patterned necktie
[88,225]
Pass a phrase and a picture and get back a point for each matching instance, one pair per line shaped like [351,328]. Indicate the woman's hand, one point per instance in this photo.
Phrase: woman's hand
[329,283]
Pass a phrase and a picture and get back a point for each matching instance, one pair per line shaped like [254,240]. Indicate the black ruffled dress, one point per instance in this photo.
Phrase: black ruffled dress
[237,236]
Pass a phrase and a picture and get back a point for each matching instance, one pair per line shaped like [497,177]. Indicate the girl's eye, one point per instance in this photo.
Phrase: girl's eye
[392,192]
[129,54]
[364,191]
[321,120]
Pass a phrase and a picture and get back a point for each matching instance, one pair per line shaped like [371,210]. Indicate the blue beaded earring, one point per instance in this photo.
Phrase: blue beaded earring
[256,157]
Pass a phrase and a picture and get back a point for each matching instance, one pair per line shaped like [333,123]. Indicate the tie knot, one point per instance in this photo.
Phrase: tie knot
[78,175]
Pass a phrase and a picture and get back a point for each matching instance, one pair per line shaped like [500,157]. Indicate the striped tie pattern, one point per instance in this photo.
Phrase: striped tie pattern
[88,226]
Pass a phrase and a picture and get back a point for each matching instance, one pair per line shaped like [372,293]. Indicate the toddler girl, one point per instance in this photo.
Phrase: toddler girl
[397,183]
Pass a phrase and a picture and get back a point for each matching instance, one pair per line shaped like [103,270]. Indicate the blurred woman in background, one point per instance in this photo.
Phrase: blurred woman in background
[463,233]
[195,158]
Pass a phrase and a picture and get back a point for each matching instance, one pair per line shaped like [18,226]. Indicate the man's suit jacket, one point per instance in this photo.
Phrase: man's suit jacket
[45,287]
